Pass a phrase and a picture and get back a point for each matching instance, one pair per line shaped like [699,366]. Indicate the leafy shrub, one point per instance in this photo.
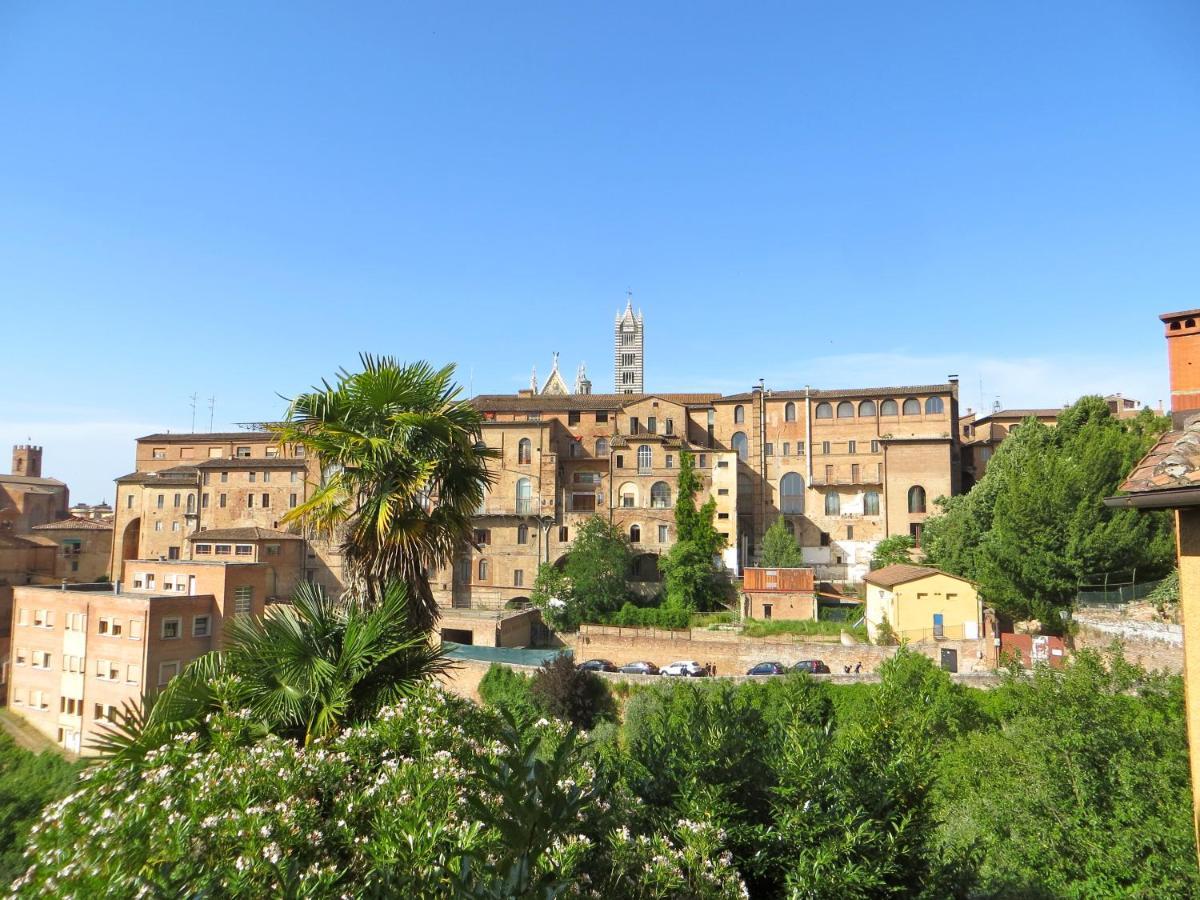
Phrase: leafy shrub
[649,617]
[578,697]
[28,781]
[510,691]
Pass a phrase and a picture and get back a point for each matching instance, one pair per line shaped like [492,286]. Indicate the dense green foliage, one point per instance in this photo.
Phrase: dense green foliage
[303,671]
[893,550]
[1035,526]
[765,627]
[592,582]
[779,547]
[577,697]
[1054,785]
[389,439]
[691,577]
[650,617]
[28,781]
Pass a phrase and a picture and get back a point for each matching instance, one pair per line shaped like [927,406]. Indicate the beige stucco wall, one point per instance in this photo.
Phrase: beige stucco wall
[910,608]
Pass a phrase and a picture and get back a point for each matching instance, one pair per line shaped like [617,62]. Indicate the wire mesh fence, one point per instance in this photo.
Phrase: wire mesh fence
[1114,592]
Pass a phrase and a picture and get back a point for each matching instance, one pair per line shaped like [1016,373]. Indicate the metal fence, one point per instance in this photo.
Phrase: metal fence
[1114,593]
[517,656]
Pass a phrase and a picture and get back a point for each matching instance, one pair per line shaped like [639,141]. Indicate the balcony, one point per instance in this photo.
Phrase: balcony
[522,506]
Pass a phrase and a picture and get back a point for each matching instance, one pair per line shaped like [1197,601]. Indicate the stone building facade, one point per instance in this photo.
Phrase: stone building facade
[843,468]
[238,486]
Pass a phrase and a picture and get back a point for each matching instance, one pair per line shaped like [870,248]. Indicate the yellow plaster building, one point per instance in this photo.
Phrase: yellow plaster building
[920,603]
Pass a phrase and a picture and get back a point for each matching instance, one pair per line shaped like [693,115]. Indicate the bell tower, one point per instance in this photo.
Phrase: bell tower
[27,460]
[628,350]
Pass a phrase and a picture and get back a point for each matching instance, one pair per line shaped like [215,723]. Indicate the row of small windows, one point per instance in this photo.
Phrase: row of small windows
[866,409]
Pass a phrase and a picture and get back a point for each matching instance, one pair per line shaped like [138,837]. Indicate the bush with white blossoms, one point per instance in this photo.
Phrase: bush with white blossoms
[434,798]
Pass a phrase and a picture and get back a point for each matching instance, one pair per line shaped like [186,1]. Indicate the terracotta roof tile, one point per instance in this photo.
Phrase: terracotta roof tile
[582,402]
[74,524]
[883,393]
[248,533]
[890,576]
[1173,462]
[218,436]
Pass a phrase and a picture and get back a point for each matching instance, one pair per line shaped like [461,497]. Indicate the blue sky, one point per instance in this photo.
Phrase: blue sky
[235,199]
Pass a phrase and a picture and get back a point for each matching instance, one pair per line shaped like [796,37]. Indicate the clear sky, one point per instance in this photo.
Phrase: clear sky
[233,199]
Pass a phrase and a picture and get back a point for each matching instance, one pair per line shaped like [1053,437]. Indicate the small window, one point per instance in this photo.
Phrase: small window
[224,477]
[524,451]
[159,453]
[201,626]
[171,628]
[769,448]
[243,597]
[652,424]
[293,500]
[620,461]
[825,447]
[635,534]
[518,577]
[633,424]
[916,499]
[889,408]
[484,570]
[573,417]
[871,503]
[215,453]
[601,447]
[934,405]
[483,536]
[204,501]
[912,407]
[601,417]
[833,504]
[272,452]
[522,534]
[787,449]
[223,549]
[253,476]
[874,446]
[135,629]
[670,427]
[663,533]
[740,445]
[703,463]
[824,411]
[162,499]
[564,534]
[789,412]
[866,409]
[845,410]
[670,461]
[242,453]
[243,550]
[167,671]
[266,501]
[739,414]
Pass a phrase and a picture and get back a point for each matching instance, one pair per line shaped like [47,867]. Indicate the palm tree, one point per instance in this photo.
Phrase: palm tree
[302,671]
[404,470]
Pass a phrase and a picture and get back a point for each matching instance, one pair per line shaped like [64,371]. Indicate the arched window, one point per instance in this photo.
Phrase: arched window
[791,493]
[660,495]
[824,411]
[916,499]
[789,412]
[739,445]
[889,408]
[602,446]
[635,534]
[933,405]
[645,457]
[871,503]
[524,451]
[191,503]
[912,407]
[524,497]
[866,409]
[833,504]
[739,414]
[483,570]
[628,495]
[845,410]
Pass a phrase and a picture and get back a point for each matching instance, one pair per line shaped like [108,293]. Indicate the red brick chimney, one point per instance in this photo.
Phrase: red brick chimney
[1183,353]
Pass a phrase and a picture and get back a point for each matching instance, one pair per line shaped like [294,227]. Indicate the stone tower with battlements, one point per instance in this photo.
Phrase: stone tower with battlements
[27,460]
[628,351]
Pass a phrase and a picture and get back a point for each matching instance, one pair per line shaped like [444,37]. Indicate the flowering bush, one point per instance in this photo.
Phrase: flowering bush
[434,798]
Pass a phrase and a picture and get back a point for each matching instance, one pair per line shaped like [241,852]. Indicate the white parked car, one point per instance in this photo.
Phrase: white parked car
[685,667]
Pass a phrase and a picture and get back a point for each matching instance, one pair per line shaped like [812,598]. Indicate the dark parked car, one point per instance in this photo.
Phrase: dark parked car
[812,666]
[640,668]
[768,668]
[596,665]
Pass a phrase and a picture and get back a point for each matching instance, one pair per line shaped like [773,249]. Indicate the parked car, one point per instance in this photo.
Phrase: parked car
[639,668]
[812,666]
[684,667]
[596,665]
[768,668]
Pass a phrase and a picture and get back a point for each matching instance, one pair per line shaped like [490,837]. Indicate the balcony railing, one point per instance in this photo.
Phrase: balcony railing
[522,506]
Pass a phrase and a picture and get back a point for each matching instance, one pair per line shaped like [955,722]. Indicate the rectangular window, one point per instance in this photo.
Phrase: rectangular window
[483,536]
[770,448]
[518,577]
[829,474]
[852,447]
[633,425]
[292,500]
[167,671]
[243,550]
[221,500]
[201,626]
[601,417]
[224,478]
[107,670]
[20,656]
[223,549]
[187,452]
[670,426]
[135,629]
[22,616]
[620,461]
[253,476]
[40,659]
[242,599]
[874,446]
[171,628]
[174,526]
[242,453]
[204,549]
[158,453]
[215,453]
[652,424]
[703,461]
[204,501]
[133,674]
[662,534]
[250,501]
[293,477]
[825,447]
[178,498]
[272,452]
[129,501]
[150,581]
[723,492]
[787,449]
[849,532]
[573,417]
[564,534]
[854,473]
[670,461]
[298,451]
[162,499]
[266,501]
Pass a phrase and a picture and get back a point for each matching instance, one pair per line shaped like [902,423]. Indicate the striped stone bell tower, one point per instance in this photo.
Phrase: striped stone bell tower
[628,349]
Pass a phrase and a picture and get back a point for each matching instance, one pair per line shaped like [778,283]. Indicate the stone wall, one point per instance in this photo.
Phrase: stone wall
[734,654]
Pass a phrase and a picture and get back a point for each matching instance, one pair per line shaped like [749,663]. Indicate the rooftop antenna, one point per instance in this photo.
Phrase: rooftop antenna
[212,402]
[193,405]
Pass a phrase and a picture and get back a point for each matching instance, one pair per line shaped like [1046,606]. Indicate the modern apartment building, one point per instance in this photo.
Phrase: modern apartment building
[80,652]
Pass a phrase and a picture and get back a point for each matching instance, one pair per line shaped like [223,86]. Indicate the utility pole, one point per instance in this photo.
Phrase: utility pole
[212,402]
[193,404]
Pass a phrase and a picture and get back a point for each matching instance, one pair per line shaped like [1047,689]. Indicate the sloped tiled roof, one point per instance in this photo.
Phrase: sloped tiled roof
[247,533]
[12,542]
[219,436]
[1171,464]
[825,394]
[1020,414]
[890,576]
[31,481]
[173,475]
[75,524]
[582,402]
[243,462]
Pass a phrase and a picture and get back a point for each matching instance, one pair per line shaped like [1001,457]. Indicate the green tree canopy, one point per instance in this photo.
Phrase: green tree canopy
[592,582]
[1035,526]
[691,579]
[779,549]
[892,550]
